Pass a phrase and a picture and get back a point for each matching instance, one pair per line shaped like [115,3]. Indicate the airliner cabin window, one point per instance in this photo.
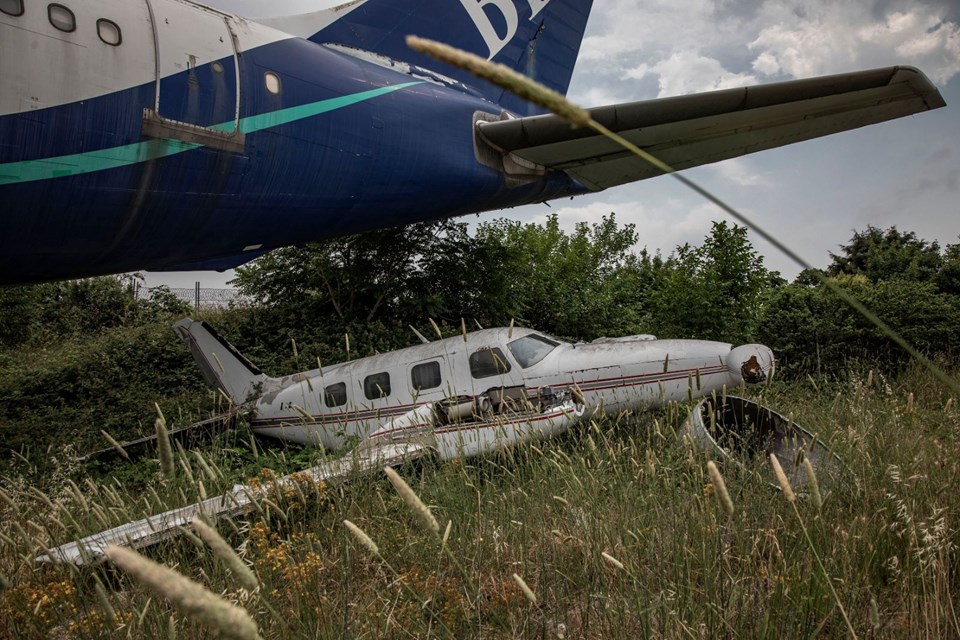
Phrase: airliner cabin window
[335,395]
[488,362]
[272,81]
[109,32]
[12,7]
[61,17]
[531,349]
[376,386]
[425,376]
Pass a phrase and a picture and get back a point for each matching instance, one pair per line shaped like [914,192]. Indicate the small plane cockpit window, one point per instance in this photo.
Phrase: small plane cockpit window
[531,349]
[61,18]
[425,376]
[12,7]
[109,32]
[335,395]
[376,386]
[488,362]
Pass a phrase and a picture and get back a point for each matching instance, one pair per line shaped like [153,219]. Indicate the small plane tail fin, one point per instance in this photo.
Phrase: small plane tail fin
[223,367]
[539,38]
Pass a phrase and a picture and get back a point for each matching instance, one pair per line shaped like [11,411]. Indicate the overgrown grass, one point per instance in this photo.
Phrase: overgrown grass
[676,564]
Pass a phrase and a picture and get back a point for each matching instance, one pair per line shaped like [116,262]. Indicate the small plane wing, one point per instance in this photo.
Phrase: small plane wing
[688,131]
[239,500]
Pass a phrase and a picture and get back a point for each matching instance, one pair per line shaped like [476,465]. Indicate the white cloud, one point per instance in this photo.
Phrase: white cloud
[689,72]
[741,171]
[766,63]
[619,27]
[693,45]
[599,96]
[830,37]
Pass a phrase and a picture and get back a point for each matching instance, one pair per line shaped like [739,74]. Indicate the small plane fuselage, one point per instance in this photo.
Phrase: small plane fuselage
[354,401]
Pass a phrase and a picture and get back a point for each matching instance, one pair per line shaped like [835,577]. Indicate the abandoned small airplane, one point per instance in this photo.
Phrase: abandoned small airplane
[456,397]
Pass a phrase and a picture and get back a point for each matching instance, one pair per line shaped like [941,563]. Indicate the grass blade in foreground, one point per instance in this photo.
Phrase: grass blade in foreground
[190,598]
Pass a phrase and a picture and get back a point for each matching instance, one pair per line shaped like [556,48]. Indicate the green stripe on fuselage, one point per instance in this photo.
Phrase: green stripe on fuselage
[115,157]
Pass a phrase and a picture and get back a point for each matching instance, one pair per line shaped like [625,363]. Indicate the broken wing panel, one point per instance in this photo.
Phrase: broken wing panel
[239,500]
[689,131]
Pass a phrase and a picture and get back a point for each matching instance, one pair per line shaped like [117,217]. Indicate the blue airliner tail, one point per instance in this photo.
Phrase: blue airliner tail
[539,38]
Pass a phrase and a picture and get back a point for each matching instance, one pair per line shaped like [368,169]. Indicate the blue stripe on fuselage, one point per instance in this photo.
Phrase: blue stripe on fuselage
[103,159]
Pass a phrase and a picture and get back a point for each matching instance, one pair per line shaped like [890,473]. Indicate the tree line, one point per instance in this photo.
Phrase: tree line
[579,285]
[591,282]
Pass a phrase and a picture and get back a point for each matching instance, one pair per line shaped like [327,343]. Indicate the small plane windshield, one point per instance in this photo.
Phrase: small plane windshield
[531,349]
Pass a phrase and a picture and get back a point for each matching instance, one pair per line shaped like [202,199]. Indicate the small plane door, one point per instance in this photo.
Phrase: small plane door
[197,76]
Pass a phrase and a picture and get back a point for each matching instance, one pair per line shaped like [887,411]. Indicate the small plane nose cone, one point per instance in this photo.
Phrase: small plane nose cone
[751,363]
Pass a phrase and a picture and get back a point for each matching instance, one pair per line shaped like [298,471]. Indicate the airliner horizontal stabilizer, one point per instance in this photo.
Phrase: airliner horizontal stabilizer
[693,130]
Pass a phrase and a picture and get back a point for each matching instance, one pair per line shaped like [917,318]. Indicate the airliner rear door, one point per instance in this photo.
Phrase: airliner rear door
[198,79]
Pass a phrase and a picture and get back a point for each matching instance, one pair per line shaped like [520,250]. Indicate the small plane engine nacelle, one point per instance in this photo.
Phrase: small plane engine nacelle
[750,363]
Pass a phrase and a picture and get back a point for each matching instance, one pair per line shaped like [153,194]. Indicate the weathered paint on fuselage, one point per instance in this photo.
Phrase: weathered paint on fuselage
[612,375]
[346,145]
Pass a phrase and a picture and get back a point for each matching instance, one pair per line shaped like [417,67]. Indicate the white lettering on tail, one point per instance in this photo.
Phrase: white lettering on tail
[495,41]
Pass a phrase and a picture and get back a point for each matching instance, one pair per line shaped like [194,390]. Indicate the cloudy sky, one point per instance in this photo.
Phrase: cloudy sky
[812,195]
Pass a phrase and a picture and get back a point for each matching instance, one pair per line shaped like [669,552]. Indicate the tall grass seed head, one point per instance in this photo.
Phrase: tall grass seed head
[503,77]
[527,591]
[813,484]
[723,496]
[782,479]
[364,540]
[420,510]
[190,598]
[226,554]
[610,560]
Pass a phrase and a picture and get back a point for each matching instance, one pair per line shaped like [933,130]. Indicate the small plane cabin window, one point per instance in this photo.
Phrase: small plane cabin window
[488,362]
[61,18]
[376,386]
[335,395]
[272,81]
[531,349]
[12,7]
[425,376]
[109,32]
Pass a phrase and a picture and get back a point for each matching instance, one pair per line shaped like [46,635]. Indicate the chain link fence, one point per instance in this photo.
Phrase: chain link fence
[200,297]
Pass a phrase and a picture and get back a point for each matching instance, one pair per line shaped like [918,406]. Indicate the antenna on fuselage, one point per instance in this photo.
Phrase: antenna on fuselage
[419,335]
